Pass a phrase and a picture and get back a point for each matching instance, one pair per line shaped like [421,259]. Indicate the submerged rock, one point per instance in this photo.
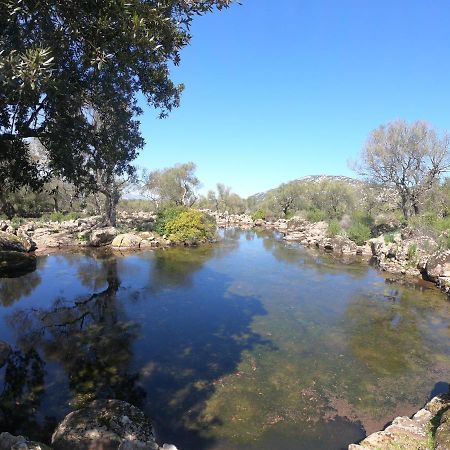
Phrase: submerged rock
[105,425]
[5,351]
[14,263]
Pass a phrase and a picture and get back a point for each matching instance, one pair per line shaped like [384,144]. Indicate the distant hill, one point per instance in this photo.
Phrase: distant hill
[312,179]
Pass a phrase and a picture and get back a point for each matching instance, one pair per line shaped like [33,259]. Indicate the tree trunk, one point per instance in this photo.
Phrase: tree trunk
[6,207]
[416,208]
[405,206]
[112,197]
[55,204]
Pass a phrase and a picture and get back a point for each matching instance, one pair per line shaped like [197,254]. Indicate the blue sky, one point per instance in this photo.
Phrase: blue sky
[276,90]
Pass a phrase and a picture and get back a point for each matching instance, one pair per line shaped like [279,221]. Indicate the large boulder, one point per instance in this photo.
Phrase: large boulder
[127,240]
[16,263]
[5,351]
[10,442]
[105,425]
[11,242]
[102,236]
[340,244]
[438,265]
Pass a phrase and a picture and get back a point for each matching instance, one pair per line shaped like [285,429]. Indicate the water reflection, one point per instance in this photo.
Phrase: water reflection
[242,344]
[14,289]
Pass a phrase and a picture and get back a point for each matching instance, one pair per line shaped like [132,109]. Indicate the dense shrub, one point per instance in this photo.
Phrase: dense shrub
[359,233]
[316,215]
[190,226]
[334,228]
[259,214]
[165,215]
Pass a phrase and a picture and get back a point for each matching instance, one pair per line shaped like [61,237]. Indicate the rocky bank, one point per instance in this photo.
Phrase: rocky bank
[404,252]
[428,429]
[102,425]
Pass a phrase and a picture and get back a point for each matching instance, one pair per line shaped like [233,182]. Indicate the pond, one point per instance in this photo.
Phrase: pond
[250,343]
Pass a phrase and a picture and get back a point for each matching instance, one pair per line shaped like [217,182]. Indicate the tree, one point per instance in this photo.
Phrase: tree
[410,158]
[177,185]
[55,54]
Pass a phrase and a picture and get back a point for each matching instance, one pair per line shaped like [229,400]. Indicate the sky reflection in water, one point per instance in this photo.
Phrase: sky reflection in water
[250,343]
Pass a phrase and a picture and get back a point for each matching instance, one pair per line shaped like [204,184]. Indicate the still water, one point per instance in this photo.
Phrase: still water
[251,343]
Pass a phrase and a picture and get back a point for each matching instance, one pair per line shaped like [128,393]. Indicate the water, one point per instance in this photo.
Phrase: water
[251,343]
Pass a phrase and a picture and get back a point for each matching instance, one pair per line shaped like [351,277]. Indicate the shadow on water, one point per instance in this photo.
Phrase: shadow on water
[88,338]
[182,339]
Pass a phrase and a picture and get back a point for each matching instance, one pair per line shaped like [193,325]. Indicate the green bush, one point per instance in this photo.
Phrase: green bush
[389,238]
[315,215]
[334,228]
[190,226]
[359,233]
[412,251]
[259,214]
[166,215]
[62,217]
[363,217]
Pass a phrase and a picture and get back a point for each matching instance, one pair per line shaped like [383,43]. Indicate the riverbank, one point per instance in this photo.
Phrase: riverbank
[403,253]
[427,429]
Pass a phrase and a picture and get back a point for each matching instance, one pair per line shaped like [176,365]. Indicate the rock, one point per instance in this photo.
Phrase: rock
[11,242]
[442,435]
[5,351]
[412,433]
[340,244]
[16,263]
[102,236]
[438,265]
[169,447]
[105,425]
[128,240]
[10,442]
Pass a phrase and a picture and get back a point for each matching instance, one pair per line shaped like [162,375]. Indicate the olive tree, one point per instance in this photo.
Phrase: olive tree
[54,53]
[410,158]
[177,185]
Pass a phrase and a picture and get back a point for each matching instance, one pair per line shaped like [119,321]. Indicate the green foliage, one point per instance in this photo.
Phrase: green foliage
[363,217]
[16,222]
[315,215]
[259,214]
[165,215]
[136,205]
[191,227]
[412,251]
[57,58]
[359,233]
[389,238]
[62,217]
[334,228]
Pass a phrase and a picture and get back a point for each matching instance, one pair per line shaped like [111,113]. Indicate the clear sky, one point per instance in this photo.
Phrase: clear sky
[276,90]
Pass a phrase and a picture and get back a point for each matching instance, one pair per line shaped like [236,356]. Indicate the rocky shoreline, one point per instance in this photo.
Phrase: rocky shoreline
[88,427]
[101,425]
[403,253]
[428,429]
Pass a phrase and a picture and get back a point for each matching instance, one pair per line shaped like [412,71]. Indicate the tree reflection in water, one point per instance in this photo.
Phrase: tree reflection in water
[88,337]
